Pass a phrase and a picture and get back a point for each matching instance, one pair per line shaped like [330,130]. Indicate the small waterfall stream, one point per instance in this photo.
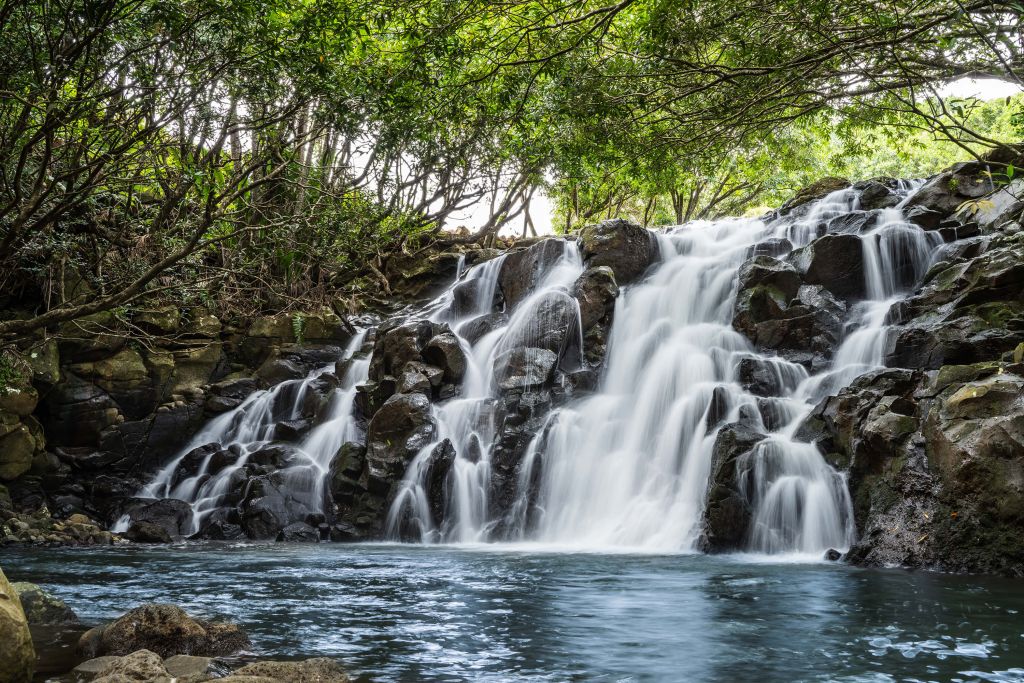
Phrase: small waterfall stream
[248,428]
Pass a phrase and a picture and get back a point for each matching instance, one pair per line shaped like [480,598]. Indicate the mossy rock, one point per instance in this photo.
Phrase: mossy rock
[17,656]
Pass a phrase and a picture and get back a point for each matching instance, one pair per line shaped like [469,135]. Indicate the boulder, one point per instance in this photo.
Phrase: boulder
[42,608]
[141,665]
[398,344]
[277,370]
[474,330]
[164,630]
[319,670]
[521,369]
[442,458]
[877,194]
[299,532]
[270,505]
[401,427]
[814,191]
[947,191]
[17,656]
[728,513]
[444,351]
[835,262]
[625,247]
[522,270]
[147,532]
[173,516]
[596,291]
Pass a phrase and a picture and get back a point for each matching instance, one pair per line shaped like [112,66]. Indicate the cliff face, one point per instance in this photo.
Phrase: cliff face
[931,445]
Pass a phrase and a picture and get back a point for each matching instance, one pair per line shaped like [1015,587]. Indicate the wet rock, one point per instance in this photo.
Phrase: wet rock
[292,430]
[164,630]
[444,351]
[522,270]
[833,555]
[401,427]
[147,532]
[816,190]
[835,262]
[419,377]
[474,330]
[397,345]
[442,458]
[187,668]
[812,323]
[945,192]
[877,194]
[727,515]
[524,368]
[229,394]
[769,376]
[42,608]
[142,665]
[277,370]
[17,656]
[924,217]
[269,505]
[625,247]
[595,290]
[773,246]
[320,670]
[299,532]
[171,515]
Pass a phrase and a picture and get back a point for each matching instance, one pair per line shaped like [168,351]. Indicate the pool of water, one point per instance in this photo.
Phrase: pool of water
[412,613]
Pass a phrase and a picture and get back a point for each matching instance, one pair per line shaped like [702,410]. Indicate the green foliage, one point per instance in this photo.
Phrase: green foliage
[298,327]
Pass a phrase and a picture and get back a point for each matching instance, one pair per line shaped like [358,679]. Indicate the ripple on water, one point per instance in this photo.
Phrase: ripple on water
[456,614]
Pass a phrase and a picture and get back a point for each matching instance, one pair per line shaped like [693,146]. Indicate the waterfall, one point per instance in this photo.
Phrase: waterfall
[467,422]
[630,465]
[246,429]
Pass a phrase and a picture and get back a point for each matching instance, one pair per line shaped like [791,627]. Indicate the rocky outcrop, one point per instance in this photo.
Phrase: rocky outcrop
[164,630]
[624,247]
[42,608]
[727,515]
[17,656]
[936,462]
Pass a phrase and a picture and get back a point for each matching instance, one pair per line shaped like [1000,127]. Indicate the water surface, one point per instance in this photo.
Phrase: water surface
[416,613]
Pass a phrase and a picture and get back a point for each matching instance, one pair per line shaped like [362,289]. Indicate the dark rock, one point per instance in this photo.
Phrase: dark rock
[42,608]
[474,330]
[876,194]
[833,555]
[147,532]
[924,217]
[277,370]
[398,345]
[401,427]
[595,290]
[774,246]
[524,368]
[171,515]
[728,513]
[299,532]
[444,351]
[292,430]
[625,247]
[165,630]
[817,190]
[769,376]
[522,270]
[835,262]
[442,458]
[945,192]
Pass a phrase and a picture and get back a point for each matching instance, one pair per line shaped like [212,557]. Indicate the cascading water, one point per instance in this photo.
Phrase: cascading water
[249,427]
[630,465]
[467,421]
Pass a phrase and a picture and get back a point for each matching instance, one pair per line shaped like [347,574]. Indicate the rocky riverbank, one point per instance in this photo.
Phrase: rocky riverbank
[932,447]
